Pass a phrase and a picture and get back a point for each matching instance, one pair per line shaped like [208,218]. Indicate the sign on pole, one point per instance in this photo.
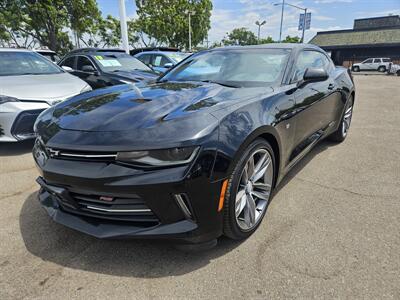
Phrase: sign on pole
[308,21]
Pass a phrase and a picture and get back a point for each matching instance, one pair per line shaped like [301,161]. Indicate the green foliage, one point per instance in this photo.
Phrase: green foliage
[267,40]
[291,39]
[166,21]
[240,36]
[46,20]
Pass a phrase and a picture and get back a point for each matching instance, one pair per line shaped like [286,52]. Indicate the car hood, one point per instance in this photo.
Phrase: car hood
[129,107]
[141,116]
[48,87]
[134,75]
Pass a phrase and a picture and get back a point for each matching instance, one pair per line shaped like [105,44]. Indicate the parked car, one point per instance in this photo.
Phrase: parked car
[106,67]
[49,54]
[29,84]
[161,60]
[196,154]
[372,64]
[394,69]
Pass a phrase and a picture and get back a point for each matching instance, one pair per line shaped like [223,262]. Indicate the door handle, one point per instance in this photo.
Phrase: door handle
[331,86]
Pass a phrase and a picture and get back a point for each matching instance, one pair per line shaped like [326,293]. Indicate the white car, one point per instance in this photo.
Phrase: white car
[380,64]
[29,84]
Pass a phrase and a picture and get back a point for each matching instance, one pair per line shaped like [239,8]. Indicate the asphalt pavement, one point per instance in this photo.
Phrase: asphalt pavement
[331,231]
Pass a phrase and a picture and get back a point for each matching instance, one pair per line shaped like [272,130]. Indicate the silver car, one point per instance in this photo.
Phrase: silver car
[29,84]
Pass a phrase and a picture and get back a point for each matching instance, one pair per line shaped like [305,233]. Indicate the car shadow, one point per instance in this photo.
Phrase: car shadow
[130,258]
[16,148]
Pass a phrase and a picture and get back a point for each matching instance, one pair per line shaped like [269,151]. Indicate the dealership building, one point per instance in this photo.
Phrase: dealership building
[371,37]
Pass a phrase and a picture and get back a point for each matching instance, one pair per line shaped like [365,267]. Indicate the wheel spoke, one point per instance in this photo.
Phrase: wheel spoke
[240,202]
[250,211]
[259,173]
[245,175]
[250,166]
[261,195]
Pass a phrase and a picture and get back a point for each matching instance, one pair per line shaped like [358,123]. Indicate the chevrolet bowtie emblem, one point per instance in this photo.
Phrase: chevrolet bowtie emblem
[53,152]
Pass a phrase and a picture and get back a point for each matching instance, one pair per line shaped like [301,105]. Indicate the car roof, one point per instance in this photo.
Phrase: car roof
[159,52]
[92,51]
[291,46]
[14,50]
[44,51]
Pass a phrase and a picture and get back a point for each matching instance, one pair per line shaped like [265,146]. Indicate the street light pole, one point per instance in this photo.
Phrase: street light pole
[304,20]
[280,31]
[124,26]
[259,24]
[190,13]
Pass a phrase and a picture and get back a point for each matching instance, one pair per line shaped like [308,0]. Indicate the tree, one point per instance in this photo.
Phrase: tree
[46,20]
[291,39]
[267,40]
[166,21]
[240,36]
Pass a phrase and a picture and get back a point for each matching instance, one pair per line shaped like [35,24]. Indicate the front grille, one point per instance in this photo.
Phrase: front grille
[23,124]
[131,208]
[81,155]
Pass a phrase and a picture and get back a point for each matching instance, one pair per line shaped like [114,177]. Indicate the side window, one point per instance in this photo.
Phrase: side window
[310,59]
[377,60]
[386,60]
[160,60]
[69,62]
[368,61]
[83,61]
[145,58]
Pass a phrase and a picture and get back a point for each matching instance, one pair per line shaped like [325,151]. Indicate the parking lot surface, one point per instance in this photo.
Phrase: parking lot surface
[331,231]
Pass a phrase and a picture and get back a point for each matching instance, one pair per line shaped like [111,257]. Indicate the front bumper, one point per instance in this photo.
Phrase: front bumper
[107,200]
[17,119]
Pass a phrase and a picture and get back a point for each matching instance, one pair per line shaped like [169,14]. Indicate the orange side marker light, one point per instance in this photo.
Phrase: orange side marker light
[222,195]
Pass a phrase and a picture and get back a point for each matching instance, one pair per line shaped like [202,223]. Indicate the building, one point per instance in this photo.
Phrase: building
[371,37]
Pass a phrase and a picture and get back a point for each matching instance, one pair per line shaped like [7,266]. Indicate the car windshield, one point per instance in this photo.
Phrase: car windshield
[119,62]
[233,67]
[178,56]
[14,63]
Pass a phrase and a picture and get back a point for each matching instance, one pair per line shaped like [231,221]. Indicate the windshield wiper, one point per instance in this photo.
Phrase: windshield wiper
[220,83]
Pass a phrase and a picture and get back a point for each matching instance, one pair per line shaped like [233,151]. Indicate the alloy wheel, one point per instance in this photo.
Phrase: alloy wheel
[254,189]
[347,119]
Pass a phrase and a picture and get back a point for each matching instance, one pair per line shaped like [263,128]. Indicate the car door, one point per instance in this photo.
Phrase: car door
[316,102]
[92,76]
[69,62]
[377,62]
[367,65]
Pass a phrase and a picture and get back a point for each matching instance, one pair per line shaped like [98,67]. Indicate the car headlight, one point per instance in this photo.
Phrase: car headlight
[4,99]
[87,88]
[159,158]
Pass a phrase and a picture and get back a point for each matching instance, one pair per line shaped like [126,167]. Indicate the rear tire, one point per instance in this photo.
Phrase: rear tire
[382,69]
[249,190]
[341,133]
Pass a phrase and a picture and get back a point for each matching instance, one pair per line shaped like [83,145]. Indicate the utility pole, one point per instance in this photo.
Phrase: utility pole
[304,25]
[259,24]
[190,13]
[124,26]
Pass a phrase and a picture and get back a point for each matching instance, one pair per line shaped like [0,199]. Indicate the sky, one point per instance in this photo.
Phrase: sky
[326,15]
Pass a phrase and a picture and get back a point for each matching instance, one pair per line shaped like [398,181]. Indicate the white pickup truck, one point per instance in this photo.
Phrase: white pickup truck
[380,64]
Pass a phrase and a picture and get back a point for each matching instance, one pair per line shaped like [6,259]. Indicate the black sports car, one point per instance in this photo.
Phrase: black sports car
[106,67]
[195,155]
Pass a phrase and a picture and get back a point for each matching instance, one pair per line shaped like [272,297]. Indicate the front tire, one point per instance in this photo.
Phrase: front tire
[249,190]
[340,134]
[356,69]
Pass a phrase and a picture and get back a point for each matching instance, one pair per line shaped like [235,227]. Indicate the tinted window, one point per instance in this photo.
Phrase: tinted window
[386,59]
[25,63]
[145,58]
[83,61]
[377,60]
[69,62]
[368,61]
[310,59]
[242,68]
[159,60]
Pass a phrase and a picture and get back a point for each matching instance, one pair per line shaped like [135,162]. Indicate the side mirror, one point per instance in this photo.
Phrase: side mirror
[68,69]
[88,69]
[314,75]
[168,65]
